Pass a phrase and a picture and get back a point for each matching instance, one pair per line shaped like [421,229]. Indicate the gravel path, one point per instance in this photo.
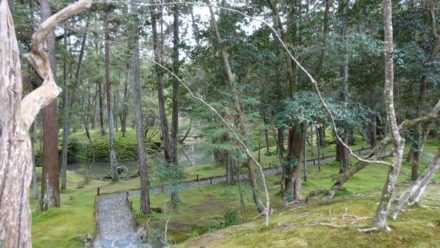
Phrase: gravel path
[115,223]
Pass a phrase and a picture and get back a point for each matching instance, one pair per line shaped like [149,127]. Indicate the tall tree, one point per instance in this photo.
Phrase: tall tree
[50,195]
[142,157]
[175,98]
[109,94]
[16,117]
[341,151]
[170,153]
[421,132]
[65,120]
[380,219]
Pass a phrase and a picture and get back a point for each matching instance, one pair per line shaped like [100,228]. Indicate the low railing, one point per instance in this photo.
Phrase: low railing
[217,179]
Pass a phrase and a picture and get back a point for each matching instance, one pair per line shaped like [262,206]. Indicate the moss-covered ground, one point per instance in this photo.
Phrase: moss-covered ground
[202,211]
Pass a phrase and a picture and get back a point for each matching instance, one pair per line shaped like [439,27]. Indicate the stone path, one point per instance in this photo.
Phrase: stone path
[115,223]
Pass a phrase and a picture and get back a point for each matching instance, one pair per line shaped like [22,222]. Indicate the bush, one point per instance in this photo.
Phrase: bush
[76,150]
[230,217]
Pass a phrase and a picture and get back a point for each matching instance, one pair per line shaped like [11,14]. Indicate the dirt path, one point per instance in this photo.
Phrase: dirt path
[115,223]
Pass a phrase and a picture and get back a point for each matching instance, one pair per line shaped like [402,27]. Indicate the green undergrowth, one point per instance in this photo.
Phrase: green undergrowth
[202,210]
[201,214]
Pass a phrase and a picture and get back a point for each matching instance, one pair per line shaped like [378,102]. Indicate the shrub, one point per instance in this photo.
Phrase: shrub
[230,217]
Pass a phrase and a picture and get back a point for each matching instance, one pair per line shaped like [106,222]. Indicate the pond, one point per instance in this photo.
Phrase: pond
[196,154]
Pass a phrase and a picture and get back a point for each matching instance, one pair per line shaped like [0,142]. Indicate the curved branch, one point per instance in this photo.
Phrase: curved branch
[38,58]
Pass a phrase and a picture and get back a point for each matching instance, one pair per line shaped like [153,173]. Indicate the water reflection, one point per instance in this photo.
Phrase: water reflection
[188,155]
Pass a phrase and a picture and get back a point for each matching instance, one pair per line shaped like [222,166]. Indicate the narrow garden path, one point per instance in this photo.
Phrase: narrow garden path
[115,222]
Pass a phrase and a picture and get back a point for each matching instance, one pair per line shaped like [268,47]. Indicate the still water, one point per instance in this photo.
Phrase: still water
[188,155]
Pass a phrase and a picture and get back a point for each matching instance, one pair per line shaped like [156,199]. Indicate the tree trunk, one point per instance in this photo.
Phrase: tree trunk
[380,219]
[342,154]
[65,120]
[15,145]
[321,133]
[109,91]
[157,47]
[413,194]
[101,110]
[292,165]
[266,137]
[280,142]
[324,40]
[142,157]
[175,100]
[340,148]
[50,195]
[16,117]
[125,106]
[373,130]
[318,145]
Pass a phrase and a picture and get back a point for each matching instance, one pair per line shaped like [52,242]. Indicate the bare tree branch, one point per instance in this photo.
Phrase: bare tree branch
[38,58]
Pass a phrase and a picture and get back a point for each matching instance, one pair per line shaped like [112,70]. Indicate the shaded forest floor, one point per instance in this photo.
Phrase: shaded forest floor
[202,211]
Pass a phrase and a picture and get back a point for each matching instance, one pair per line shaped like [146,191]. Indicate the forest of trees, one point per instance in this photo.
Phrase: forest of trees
[301,75]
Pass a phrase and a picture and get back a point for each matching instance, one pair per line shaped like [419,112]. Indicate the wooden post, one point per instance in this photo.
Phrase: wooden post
[197,177]
[98,191]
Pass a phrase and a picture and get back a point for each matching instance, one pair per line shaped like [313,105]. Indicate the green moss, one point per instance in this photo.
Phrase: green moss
[202,211]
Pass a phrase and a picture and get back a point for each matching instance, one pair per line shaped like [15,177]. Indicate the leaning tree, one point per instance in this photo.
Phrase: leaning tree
[16,117]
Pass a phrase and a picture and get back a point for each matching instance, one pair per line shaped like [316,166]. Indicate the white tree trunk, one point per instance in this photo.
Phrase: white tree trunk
[380,219]
[16,117]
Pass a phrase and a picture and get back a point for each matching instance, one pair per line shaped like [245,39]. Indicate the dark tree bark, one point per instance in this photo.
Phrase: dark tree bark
[321,134]
[342,152]
[65,121]
[142,157]
[266,138]
[101,109]
[280,142]
[325,31]
[50,195]
[292,165]
[109,91]
[157,47]
[175,99]
[125,106]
